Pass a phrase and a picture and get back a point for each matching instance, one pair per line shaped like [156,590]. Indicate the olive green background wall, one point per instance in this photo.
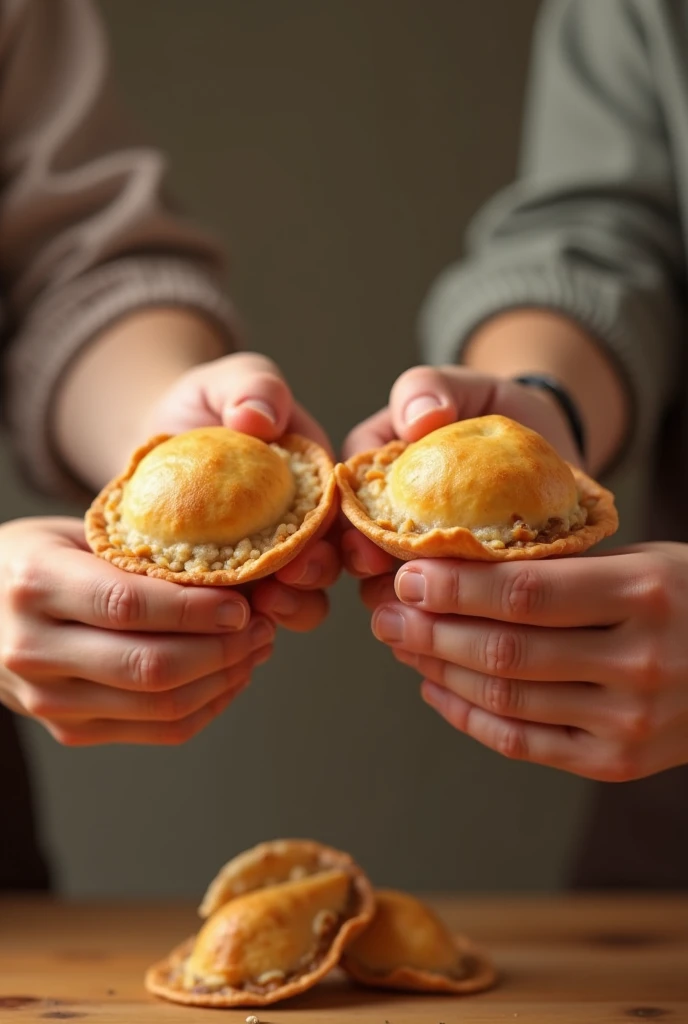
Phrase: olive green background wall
[339,147]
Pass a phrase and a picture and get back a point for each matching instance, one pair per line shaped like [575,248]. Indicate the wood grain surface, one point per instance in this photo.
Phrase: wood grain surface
[564,960]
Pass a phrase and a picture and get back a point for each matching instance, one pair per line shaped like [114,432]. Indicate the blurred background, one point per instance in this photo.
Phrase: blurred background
[338,149]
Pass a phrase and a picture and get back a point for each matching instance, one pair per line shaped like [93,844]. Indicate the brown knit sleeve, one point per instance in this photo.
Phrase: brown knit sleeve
[87,234]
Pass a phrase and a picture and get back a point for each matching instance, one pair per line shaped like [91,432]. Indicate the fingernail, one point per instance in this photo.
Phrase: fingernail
[258,405]
[231,615]
[411,587]
[388,626]
[262,633]
[285,603]
[420,406]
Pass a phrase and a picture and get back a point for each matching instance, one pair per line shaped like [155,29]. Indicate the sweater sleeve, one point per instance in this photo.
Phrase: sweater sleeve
[591,227]
[87,233]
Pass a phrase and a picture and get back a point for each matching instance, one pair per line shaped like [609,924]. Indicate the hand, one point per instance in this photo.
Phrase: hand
[98,655]
[580,664]
[247,392]
[424,399]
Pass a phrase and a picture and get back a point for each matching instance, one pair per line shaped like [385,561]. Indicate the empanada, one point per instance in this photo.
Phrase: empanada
[406,946]
[212,506]
[485,489]
[278,918]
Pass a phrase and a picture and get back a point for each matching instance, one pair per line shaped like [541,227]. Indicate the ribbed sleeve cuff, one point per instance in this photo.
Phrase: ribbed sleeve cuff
[67,319]
[620,319]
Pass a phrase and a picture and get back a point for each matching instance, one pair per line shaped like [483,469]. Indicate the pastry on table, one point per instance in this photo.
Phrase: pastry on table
[277,919]
[406,946]
[485,489]
[212,506]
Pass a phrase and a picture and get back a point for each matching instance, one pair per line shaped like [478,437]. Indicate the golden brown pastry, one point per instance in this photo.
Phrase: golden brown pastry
[406,946]
[212,506]
[278,918]
[484,489]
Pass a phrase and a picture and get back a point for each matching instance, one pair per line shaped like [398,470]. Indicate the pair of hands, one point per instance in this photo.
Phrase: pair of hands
[579,664]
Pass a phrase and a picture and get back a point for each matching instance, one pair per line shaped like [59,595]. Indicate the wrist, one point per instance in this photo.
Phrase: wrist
[551,387]
[103,403]
[537,342]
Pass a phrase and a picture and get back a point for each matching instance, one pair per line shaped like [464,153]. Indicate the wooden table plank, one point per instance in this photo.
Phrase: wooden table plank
[564,960]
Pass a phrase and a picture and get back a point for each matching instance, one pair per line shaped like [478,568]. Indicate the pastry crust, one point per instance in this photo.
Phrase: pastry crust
[107,543]
[270,874]
[404,929]
[279,860]
[593,502]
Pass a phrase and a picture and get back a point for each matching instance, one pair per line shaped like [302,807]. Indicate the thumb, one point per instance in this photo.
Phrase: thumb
[249,394]
[424,399]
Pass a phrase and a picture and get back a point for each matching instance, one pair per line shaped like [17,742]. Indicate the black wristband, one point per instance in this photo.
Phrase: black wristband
[566,403]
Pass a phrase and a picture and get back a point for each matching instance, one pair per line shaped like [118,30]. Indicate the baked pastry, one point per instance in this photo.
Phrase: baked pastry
[485,489]
[406,946]
[212,506]
[277,919]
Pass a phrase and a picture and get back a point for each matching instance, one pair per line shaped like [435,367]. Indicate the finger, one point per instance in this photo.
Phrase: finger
[76,586]
[99,732]
[144,662]
[421,400]
[550,745]
[315,568]
[495,649]
[363,558]
[296,610]
[599,591]
[376,591]
[577,705]
[371,433]
[75,700]
[250,394]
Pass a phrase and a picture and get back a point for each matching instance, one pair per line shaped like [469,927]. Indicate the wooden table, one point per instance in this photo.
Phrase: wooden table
[562,960]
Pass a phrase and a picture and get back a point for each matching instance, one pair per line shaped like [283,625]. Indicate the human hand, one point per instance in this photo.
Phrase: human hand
[247,392]
[580,664]
[424,399]
[98,655]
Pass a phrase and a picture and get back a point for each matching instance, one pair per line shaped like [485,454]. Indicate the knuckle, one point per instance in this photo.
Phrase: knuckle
[636,722]
[523,594]
[654,587]
[118,603]
[649,668]
[620,766]
[503,652]
[148,668]
[511,743]
[24,584]
[502,696]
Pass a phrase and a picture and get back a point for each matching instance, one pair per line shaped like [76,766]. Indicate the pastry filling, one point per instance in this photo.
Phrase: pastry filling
[372,490]
[210,557]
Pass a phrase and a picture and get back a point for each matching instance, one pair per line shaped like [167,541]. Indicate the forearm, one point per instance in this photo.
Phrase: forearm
[535,341]
[105,396]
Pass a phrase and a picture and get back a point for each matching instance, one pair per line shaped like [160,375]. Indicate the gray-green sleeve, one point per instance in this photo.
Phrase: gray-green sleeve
[591,228]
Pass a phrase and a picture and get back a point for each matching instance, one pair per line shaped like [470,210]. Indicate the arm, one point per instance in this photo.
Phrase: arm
[525,341]
[589,234]
[106,396]
[110,293]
